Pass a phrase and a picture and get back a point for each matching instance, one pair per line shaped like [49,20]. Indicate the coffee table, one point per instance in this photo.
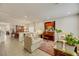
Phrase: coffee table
[58,52]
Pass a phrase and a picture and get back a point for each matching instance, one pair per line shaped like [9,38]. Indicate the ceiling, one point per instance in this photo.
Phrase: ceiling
[31,11]
[21,10]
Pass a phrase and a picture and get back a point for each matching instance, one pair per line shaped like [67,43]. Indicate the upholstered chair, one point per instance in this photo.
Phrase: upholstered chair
[32,42]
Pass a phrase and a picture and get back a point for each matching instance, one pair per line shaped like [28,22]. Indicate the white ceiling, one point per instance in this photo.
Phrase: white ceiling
[21,10]
[13,12]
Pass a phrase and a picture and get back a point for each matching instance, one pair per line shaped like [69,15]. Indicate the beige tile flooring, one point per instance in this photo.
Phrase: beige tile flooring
[12,47]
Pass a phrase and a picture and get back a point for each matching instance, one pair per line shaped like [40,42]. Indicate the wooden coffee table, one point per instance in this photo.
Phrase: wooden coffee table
[58,52]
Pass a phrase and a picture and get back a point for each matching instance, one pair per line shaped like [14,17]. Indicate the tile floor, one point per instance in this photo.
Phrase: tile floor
[12,47]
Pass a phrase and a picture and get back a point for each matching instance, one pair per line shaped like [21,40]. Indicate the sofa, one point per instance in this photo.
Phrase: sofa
[32,42]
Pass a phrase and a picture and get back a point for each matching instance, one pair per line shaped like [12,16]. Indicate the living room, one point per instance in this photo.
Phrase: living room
[34,29]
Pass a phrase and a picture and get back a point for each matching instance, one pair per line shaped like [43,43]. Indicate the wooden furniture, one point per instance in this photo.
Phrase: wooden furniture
[49,32]
[48,35]
[58,52]
[18,29]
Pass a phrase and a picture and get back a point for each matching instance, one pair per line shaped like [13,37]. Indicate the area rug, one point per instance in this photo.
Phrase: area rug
[47,46]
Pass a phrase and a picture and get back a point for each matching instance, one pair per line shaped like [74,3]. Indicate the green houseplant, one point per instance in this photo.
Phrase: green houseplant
[71,40]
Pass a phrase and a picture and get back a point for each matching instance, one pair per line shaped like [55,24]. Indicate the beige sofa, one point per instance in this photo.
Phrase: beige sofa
[32,42]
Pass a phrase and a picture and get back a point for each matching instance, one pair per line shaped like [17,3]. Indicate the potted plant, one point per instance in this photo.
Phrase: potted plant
[71,42]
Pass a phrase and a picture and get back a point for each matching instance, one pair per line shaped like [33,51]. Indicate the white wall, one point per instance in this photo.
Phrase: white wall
[3,28]
[69,24]
[40,27]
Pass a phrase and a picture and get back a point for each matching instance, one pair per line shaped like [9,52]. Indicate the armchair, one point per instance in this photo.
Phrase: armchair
[32,42]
